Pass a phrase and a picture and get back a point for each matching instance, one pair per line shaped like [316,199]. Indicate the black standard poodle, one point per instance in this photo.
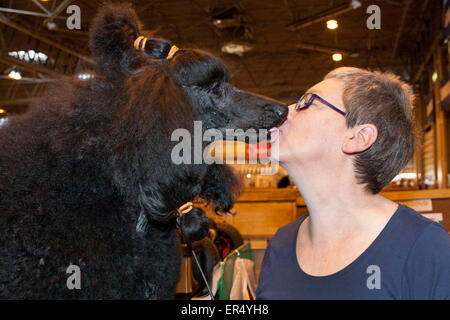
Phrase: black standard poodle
[89,194]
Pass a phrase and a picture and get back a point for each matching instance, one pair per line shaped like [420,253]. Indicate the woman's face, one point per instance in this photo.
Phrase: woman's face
[315,134]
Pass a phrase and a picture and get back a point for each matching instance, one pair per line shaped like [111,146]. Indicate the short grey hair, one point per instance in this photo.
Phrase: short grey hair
[381,99]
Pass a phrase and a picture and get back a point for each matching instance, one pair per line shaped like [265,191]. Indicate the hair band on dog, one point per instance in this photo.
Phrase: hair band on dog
[172,52]
[139,43]
[185,208]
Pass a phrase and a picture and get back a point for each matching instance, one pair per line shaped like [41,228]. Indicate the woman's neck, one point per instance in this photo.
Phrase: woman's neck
[338,206]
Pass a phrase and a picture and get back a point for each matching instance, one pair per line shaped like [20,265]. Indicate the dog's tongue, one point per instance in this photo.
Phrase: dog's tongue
[274,133]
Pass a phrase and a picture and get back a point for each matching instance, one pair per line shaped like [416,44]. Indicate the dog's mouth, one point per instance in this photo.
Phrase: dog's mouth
[272,132]
[272,117]
[252,137]
[260,130]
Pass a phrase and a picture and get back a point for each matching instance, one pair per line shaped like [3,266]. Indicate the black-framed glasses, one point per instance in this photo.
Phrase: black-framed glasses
[307,99]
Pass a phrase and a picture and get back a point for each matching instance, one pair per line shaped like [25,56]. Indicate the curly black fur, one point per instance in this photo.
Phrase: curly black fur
[86,176]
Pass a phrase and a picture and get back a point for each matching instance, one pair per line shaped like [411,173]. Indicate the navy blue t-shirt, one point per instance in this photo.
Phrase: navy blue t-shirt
[410,259]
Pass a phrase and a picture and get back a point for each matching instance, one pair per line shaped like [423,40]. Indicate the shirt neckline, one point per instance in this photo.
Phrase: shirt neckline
[373,246]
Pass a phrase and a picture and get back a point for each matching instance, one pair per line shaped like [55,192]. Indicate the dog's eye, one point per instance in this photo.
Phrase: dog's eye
[215,88]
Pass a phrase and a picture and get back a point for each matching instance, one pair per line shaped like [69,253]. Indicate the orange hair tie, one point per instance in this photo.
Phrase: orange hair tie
[139,44]
[172,52]
[185,208]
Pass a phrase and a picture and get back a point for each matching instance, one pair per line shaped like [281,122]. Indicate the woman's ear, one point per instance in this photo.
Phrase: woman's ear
[359,138]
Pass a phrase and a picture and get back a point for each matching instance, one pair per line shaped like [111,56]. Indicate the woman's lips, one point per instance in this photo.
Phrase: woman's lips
[274,134]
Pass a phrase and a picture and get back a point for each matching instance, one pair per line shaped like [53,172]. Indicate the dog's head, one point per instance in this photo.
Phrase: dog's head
[205,79]
[202,77]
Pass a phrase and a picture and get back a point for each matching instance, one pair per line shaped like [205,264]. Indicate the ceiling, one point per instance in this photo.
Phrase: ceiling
[283,62]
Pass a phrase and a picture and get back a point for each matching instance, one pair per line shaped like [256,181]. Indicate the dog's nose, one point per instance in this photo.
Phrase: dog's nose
[281,111]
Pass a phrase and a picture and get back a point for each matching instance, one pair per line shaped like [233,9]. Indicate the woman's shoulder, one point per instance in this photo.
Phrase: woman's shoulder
[412,221]
[426,241]
[408,230]
[428,258]
[427,233]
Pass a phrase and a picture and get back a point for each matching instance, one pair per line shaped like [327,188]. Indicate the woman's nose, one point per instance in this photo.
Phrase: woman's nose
[291,111]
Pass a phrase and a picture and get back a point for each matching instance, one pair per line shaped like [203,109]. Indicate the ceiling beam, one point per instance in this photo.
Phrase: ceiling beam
[36,2]
[29,80]
[34,67]
[324,15]
[58,10]
[325,49]
[45,40]
[29,13]
[407,4]
[428,56]
[15,102]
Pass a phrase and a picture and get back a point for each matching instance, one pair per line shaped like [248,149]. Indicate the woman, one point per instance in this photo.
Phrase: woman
[344,140]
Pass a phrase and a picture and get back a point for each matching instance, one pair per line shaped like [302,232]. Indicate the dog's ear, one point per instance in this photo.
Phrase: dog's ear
[194,225]
[112,36]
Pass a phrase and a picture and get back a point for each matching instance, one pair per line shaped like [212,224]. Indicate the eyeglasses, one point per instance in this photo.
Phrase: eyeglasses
[307,99]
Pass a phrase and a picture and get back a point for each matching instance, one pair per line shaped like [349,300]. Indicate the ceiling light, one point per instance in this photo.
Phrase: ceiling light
[337,57]
[51,25]
[234,48]
[85,76]
[3,120]
[13,74]
[29,55]
[434,76]
[2,111]
[224,19]
[355,4]
[332,24]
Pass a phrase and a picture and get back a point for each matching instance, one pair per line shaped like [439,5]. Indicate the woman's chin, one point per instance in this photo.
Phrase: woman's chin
[275,150]
[280,152]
